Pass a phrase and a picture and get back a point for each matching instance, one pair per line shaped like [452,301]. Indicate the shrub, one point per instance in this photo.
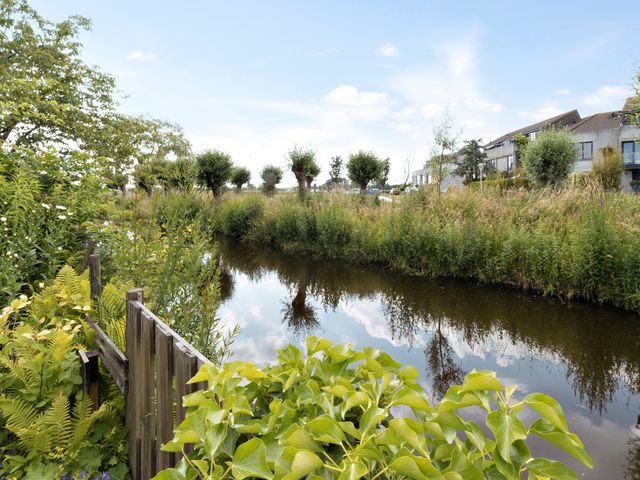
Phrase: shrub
[238,217]
[240,176]
[364,167]
[549,159]
[214,170]
[608,168]
[334,414]
[271,176]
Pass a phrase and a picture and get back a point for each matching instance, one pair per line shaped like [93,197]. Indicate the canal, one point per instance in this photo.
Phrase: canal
[586,357]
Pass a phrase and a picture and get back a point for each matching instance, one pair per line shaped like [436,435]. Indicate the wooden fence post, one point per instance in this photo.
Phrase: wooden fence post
[90,375]
[135,297]
[95,275]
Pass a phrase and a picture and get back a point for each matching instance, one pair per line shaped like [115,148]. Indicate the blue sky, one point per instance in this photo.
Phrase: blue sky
[255,77]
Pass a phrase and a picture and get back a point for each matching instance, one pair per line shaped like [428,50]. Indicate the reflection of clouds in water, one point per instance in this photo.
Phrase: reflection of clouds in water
[369,314]
[229,318]
[256,311]
[260,351]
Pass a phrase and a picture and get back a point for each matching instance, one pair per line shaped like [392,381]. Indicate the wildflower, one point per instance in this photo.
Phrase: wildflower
[59,249]
[62,217]
[45,206]
[61,207]
[41,285]
[3,219]
[75,183]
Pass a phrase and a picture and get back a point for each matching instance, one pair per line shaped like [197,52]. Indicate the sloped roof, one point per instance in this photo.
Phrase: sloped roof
[598,122]
[563,120]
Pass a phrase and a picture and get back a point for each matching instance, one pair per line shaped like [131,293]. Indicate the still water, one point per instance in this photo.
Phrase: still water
[588,358]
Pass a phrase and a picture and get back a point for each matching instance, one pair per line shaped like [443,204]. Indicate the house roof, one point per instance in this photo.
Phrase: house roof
[564,119]
[597,122]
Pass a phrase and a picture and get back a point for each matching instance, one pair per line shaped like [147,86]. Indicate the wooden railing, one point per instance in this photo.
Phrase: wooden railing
[153,376]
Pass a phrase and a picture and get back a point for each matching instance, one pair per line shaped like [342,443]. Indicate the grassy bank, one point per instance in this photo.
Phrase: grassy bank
[574,244]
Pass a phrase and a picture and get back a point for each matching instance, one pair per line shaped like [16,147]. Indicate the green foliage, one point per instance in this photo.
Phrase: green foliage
[240,176]
[238,218]
[549,159]
[608,168]
[48,93]
[271,176]
[169,174]
[363,168]
[302,162]
[45,206]
[444,145]
[535,239]
[335,169]
[49,428]
[214,170]
[469,159]
[334,414]
[383,178]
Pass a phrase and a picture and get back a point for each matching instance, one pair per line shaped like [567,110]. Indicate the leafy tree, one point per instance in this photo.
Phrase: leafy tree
[144,177]
[240,176]
[184,174]
[608,168]
[445,141]
[549,159]
[383,178]
[214,170]
[303,165]
[271,176]
[468,161]
[48,94]
[521,142]
[364,167]
[335,169]
[634,103]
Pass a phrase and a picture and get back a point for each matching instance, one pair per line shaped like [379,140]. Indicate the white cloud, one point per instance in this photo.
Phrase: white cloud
[387,50]
[607,95]
[141,56]
[405,114]
[542,113]
[563,91]
[432,110]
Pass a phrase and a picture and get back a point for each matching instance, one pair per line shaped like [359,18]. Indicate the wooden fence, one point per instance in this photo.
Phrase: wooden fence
[153,375]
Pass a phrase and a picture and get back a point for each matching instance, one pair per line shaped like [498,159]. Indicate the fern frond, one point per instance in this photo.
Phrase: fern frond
[57,420]
[84,418]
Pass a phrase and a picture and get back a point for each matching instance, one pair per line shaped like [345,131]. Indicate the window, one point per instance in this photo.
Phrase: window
[585,150]
[533,135]
[510,164]
[631,153]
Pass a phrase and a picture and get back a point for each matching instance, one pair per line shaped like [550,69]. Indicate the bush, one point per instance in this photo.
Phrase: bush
[214,170]
[335,414]
[608,168]
[364,167]
[549,159]
[238,217]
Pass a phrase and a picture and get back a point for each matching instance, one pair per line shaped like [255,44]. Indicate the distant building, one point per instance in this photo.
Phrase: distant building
[502,152]
[423,177]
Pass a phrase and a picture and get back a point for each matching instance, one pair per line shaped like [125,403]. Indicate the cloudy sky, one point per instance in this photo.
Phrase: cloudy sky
[256,77]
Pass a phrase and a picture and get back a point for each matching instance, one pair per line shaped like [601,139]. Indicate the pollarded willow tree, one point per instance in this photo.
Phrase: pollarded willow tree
[302,162]
[363,168]
[549,159]
[271,176]
[214,170]
[240,176]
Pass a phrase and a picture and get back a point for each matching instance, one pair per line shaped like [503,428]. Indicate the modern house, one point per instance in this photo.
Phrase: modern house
[502,152]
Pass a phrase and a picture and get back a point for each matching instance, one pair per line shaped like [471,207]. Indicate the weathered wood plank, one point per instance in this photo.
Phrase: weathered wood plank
[112,358]
[90,375]
[147,392]
[180,363]
[135,297]
[95,275]
[164,389]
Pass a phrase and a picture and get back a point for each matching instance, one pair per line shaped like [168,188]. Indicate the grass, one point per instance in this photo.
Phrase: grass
[576,243]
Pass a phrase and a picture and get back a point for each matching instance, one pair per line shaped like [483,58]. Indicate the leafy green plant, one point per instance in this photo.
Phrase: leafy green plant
[335,414]
[214,170]
[549,159]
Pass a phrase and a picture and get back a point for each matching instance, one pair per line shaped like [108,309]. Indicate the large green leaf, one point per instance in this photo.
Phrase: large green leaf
[295,436]
[418,468]
[169,474]
[549,408]
[325,429]
[542,467]
[411,432]
[371,418]
[507,428]
[482,380]
[569,442]
[353,471]
[250,460]
[298,463]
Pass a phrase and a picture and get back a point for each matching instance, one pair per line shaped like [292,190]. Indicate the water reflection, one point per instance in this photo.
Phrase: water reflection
[587,357]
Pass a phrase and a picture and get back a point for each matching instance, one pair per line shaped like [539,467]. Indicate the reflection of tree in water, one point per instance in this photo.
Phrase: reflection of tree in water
[443,368]
[299,315]
[226,282]
[596,347]
[632,471]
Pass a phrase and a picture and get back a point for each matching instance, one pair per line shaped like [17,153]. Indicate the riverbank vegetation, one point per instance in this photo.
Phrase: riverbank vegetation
[575,243]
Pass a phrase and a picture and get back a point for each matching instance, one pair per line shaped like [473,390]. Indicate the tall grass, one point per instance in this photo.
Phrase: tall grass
[576,243]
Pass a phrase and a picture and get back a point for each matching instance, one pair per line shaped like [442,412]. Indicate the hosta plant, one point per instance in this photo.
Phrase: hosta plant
[346,414]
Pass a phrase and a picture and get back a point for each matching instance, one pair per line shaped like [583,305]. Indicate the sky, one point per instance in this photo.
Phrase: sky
[254,78]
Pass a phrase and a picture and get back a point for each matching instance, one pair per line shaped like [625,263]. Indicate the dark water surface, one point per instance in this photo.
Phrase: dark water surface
[588,358]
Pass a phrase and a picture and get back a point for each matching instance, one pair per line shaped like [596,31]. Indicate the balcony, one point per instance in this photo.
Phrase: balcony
[631,159]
